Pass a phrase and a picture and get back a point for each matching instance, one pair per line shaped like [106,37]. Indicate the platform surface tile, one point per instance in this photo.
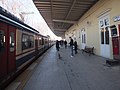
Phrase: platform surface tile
[81,72]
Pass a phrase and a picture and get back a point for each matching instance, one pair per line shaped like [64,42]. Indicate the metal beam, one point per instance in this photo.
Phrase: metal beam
[62,30]
[59,31]
[70,9]
[27,12]
[52,12]
[41,2]
[64,21]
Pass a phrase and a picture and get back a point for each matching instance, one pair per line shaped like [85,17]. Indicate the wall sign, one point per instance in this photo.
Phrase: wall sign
[116,18]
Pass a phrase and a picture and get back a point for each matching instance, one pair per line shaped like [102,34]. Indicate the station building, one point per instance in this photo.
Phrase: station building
[99,27]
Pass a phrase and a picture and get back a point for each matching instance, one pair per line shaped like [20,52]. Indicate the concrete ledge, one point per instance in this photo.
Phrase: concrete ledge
[113,62]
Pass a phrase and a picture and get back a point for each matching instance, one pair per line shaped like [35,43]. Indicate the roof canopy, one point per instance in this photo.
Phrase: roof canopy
[60,15]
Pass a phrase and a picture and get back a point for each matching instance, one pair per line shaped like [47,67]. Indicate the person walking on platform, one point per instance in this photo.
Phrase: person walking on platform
[65,42]
[57,48]
[71,46]
[57,45]
[75,46]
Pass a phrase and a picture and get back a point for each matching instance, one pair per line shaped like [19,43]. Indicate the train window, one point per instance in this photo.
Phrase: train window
[45,41]
[2,41]
[27,41]
[31,41]
[40,41]
[12,42]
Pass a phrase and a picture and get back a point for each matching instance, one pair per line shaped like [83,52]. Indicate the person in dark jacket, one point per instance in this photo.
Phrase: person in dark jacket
[75,46]
[65,42]
[71,46]
[57,45]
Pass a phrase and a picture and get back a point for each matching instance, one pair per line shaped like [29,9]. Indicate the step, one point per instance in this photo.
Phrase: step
[113,62]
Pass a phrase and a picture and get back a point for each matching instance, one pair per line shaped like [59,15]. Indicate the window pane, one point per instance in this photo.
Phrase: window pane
[102,36]
[25,41]
[2,41]
[101,24]
[40,41]
[31,41]
[84,38]
[106,21]
[46,41]
[12,42]
[113,30]
[107,35]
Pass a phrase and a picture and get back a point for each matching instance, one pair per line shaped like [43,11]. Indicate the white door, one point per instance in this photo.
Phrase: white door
[83,38]
[104,24]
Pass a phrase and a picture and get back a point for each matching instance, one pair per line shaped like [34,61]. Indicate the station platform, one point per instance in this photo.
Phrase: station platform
[81,72]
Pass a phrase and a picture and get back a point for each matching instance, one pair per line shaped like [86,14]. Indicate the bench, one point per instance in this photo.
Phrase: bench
[88,50]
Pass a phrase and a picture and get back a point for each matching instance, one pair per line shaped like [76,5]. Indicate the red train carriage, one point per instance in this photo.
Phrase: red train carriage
[20,44]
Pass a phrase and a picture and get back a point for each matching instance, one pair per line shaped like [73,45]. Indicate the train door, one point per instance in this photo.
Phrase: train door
[3,50]
[7,49]
[11,48]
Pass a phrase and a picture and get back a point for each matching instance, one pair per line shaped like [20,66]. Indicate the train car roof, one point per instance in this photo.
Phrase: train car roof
[7,17]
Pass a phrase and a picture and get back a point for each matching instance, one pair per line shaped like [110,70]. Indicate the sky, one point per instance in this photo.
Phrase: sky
[27,11]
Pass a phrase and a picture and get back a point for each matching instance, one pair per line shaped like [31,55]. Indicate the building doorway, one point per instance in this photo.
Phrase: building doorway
[104,24]
[83,38]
